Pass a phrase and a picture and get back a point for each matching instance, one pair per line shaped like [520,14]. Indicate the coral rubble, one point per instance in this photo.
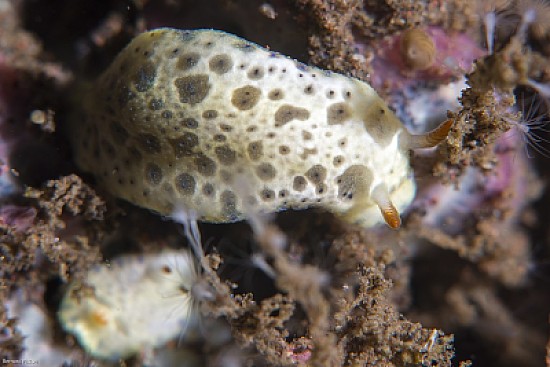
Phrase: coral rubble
[465,280]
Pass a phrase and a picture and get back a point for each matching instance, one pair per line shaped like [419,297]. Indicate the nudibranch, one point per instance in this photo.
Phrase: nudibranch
[180,114]
[136,303]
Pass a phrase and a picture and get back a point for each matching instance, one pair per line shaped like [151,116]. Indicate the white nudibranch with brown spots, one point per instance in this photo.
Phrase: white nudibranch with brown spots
[180,114]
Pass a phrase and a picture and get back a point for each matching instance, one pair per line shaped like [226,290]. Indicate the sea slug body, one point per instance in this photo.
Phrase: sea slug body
[180,114]
[134,303]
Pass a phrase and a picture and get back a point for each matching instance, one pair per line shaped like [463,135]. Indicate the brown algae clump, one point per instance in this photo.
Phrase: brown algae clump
[179,114]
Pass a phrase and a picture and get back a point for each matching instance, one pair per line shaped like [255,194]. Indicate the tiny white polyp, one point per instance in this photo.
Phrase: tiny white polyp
[134,303]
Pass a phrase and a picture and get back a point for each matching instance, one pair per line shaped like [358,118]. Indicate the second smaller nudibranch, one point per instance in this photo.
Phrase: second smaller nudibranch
[133,304]
[180,114]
